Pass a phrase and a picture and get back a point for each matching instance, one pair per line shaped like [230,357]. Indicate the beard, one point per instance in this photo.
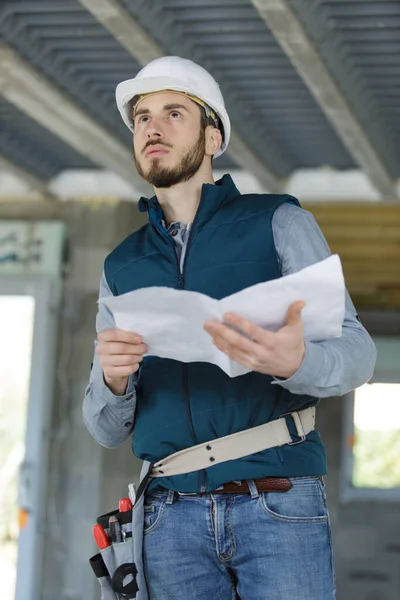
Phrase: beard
[166,177]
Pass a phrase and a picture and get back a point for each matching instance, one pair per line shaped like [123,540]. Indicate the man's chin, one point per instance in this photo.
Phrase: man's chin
[160,175]
[153,166]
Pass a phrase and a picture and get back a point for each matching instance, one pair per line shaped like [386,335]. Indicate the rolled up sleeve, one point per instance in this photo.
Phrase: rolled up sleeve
[108,418]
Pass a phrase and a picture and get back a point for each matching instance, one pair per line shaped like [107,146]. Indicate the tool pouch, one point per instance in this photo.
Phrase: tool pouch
[123,561]
[103,577]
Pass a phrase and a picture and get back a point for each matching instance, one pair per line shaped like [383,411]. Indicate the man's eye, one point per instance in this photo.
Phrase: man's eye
[142,119]
[175,114]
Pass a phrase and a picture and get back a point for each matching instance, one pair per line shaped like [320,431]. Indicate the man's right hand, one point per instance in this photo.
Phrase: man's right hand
[120,354]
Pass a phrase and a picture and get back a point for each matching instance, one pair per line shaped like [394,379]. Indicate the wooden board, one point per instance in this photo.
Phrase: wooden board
[367,238]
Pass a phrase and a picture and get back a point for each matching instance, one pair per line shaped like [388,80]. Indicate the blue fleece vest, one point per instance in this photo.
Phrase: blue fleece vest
[231,247]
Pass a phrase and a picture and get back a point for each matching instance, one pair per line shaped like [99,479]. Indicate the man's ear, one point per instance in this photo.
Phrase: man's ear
[213,140]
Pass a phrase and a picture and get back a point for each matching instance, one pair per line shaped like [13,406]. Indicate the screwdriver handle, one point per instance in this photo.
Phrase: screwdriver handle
[125,504]
[100,537]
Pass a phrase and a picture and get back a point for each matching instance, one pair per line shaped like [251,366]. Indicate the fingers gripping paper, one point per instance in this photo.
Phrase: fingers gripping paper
[171,321]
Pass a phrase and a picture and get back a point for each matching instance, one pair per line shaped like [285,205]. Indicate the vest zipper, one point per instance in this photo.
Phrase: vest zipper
[181,280]
[185,385]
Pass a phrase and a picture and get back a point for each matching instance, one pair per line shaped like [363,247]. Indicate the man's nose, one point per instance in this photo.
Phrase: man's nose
[155,133]
[154,130]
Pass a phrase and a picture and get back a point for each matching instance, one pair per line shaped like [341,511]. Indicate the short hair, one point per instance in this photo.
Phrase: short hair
[206,121]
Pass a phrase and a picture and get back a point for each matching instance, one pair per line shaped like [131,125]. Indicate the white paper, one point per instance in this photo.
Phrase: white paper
[171,321]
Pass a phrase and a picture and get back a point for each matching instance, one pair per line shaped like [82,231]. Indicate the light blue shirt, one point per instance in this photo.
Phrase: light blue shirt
[330,368]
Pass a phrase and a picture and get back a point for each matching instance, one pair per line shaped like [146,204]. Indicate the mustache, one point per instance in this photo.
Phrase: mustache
[155,143]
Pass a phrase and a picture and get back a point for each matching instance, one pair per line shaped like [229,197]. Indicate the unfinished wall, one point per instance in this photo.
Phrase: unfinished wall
[85,479]
[365,534]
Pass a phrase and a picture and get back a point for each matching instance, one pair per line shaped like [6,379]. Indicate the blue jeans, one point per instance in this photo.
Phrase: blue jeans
[267,546]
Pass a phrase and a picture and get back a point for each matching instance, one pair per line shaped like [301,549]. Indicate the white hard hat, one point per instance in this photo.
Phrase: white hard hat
[175,74]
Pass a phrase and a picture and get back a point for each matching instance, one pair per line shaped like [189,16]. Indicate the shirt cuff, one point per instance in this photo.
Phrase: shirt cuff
[301,381]
[109,397]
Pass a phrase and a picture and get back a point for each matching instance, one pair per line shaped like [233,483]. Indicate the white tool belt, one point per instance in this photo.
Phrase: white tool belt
[231,447]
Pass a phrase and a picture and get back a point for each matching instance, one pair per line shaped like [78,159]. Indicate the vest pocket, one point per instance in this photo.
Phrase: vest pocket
[279,452]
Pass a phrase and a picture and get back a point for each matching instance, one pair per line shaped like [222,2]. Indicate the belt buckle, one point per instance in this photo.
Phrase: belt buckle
[302,434]
[187,493]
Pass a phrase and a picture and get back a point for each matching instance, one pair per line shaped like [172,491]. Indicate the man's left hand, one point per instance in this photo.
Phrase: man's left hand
[279,353]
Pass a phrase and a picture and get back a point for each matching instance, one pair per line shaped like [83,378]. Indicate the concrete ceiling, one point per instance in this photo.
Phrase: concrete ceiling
[307,83]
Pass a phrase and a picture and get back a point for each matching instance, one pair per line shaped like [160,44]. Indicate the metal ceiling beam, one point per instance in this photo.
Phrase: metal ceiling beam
[295,42]
[120,23]
[33,181]
[32,93]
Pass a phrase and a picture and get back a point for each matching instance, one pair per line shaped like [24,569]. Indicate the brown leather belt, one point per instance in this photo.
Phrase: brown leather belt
[266,484]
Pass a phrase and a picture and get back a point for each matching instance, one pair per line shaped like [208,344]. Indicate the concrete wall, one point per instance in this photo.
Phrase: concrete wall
[365,534]
[86,479]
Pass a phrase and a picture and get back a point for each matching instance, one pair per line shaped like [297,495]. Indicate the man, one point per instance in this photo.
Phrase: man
[256,527]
